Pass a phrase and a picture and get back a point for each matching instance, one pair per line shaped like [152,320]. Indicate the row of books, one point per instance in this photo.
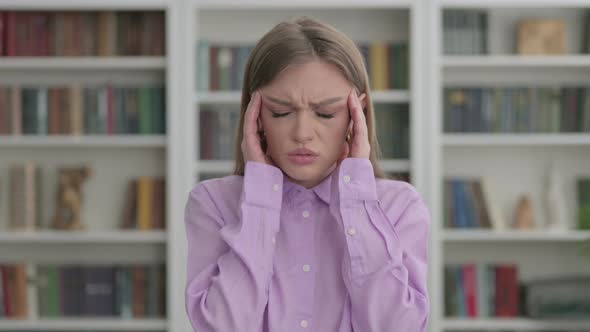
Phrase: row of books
[561,297]
[517,109]
[477,290]
[464,31]
[75,33]
[468,204]
[392,123]
[221,66]
[78,110]
[217,131]
[144,204]
[126,291]
[13,291]
[219,125]
[388,64]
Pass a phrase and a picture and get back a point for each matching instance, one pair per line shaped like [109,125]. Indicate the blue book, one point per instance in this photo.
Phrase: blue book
[461,303]
[99,295]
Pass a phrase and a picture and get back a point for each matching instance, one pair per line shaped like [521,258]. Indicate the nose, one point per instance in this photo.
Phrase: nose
[303,131]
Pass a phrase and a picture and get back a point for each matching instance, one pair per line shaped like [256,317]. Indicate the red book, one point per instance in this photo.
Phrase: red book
[506,291]
[10,33]
[2,32]
[6,287]
[470,283]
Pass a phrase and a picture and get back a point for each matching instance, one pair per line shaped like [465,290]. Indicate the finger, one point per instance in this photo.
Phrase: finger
[360,127]
[250,125]
[353,113]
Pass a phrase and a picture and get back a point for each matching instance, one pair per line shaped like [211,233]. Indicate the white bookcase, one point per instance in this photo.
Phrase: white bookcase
[114,159]
[515,163]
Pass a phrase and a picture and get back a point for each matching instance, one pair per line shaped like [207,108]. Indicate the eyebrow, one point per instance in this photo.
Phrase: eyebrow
[321,103]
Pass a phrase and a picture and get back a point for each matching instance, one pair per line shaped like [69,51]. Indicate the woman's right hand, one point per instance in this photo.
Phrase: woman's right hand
[251,143]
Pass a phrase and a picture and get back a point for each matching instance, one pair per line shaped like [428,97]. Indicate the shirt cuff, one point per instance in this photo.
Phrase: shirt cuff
[356,180]
[263,185]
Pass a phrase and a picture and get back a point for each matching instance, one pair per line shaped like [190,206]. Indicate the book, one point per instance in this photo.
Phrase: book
[144,204]
[26,197]
[583,190]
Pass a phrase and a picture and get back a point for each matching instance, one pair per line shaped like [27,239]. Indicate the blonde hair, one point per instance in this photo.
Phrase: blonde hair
[299,41]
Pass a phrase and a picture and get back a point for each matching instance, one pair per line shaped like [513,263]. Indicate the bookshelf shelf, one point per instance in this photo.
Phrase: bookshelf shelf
[487,236]
[540,61]
[83,63]
[94,324]
[479,139]
[114,141]
[517,324]
[234,97]
[106,237]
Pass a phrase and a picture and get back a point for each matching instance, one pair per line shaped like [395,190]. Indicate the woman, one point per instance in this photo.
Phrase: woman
[307,234]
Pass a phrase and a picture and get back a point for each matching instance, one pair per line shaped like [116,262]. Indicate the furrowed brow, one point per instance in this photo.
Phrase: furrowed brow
[321,103]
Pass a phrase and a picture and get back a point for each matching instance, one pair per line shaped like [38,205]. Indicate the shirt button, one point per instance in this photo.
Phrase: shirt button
[352,231]
[306,268]
[346,178]
[305,214]
[275,187]
[304,323]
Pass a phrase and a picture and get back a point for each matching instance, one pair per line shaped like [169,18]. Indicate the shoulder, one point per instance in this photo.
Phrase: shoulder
[218,188]
[217,198]
[400,198]
[396,190]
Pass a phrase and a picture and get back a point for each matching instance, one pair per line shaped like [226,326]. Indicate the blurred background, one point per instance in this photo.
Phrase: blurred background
[111,111]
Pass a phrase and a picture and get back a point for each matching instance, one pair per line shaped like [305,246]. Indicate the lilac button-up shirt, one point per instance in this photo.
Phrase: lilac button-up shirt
[267,254]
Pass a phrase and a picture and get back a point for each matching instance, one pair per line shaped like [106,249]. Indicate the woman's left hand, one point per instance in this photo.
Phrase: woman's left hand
[358,146]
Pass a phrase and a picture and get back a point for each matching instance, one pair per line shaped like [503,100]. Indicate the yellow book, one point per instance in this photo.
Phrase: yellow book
[144,203]
[379,72]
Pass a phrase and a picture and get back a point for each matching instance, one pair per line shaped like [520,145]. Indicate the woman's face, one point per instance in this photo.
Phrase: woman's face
[306,106]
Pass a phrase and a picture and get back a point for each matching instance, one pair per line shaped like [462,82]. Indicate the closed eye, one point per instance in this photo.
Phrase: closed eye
[321,115]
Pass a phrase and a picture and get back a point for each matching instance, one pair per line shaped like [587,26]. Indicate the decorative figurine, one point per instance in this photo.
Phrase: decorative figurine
[69,198]
[524,216]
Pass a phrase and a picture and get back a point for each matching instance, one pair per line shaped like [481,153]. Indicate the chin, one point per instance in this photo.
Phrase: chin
[304,173]
[301,172]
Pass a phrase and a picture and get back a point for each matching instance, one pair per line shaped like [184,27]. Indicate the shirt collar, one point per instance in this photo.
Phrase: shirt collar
[322,189]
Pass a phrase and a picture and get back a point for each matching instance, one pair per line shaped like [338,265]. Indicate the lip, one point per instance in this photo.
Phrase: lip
[302,159]
[302,156]
[303,152]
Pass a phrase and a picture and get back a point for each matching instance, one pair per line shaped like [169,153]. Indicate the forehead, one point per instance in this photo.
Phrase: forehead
[310,81]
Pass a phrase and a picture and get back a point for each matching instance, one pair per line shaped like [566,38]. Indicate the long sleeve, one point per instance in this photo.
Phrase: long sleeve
[385,266]
[230,264]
